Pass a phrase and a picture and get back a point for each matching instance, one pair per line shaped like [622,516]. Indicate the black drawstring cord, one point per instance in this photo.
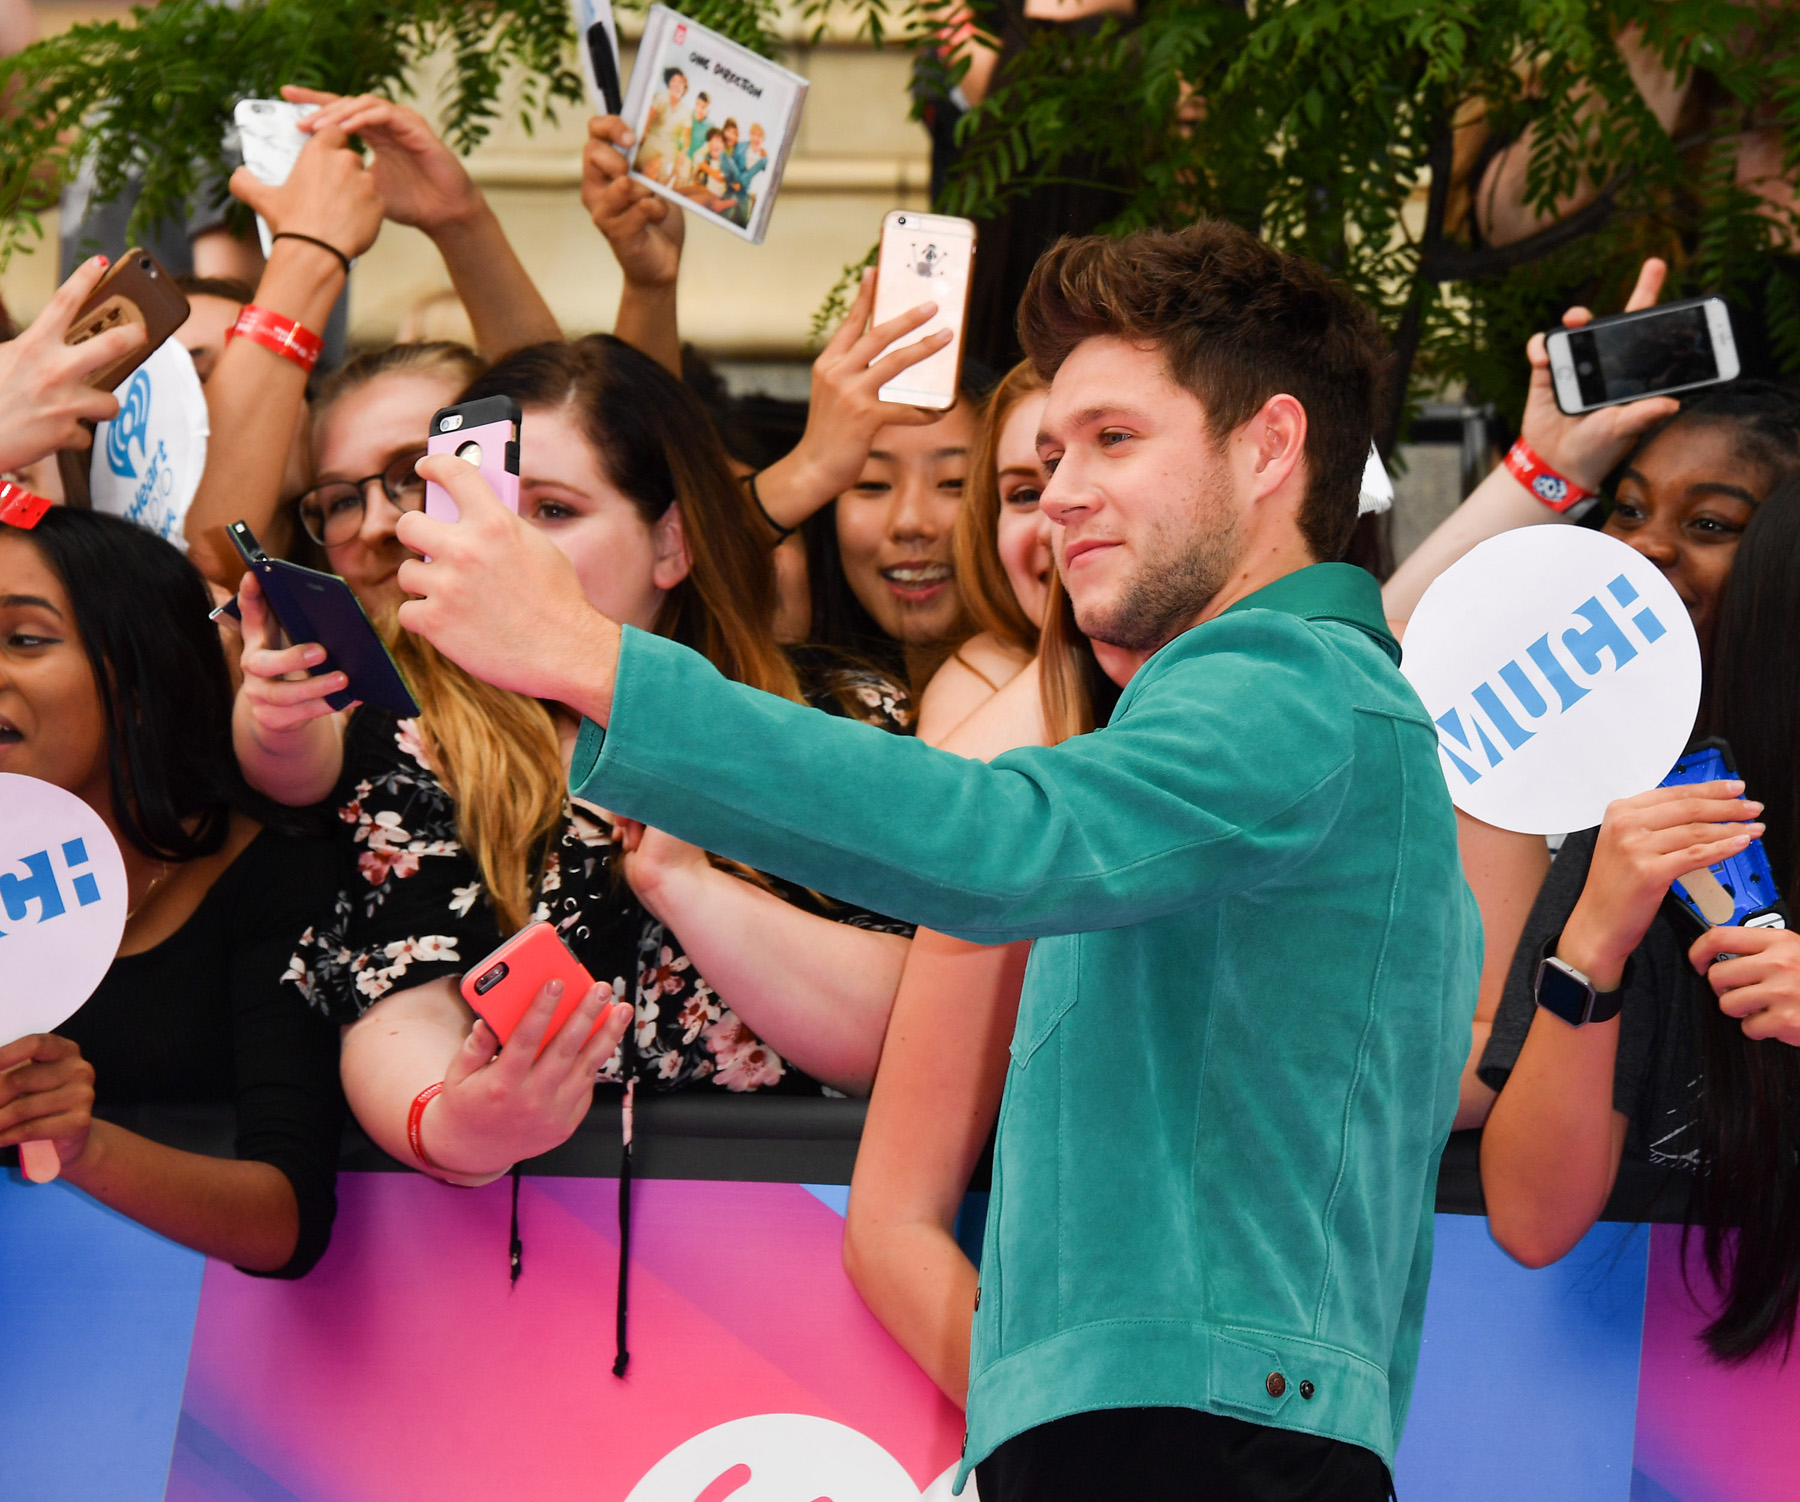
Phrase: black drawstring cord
[516,1247]
[621,1356]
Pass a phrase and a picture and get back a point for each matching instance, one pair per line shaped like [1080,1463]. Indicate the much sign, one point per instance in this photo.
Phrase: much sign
[1561,671]
[62,904]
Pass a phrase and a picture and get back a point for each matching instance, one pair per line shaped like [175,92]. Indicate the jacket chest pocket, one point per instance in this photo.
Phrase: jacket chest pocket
[1052,986]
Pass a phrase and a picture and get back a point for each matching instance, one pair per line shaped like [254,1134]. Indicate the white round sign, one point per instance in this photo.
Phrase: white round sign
[148,460]
[62,905]
[1562,672]
[786,1457]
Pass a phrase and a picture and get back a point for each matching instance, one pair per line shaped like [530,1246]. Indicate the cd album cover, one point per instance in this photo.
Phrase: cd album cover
[714,122]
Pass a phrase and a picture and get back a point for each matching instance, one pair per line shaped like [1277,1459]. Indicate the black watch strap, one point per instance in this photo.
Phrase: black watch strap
[1565,992]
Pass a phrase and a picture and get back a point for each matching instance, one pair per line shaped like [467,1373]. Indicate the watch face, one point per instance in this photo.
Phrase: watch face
[1560,993]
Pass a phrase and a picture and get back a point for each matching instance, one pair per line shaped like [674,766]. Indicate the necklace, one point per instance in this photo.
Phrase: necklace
[155,882]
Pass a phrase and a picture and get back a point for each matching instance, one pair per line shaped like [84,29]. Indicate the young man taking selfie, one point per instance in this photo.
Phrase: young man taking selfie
[1249,1001]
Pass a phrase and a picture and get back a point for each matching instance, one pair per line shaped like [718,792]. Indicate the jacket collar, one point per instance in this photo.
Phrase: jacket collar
[1327,592]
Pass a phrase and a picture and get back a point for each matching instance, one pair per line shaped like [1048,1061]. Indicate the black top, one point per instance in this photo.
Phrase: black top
[412,909]
[204,1017]
[1656,1076]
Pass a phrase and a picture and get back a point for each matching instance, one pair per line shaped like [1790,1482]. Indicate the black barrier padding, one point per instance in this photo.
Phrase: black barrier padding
[805,1140]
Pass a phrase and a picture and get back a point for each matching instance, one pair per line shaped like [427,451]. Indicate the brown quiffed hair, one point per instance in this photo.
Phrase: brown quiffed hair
[1237,322]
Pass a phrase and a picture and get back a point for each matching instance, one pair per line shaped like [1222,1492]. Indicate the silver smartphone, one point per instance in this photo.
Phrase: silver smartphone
[1658,352]
[925,258]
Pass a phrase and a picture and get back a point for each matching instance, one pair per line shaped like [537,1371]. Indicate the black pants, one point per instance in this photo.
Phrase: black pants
[1177,1455]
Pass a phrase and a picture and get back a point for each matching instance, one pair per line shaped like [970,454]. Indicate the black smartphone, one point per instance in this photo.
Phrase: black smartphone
[320,607]
[606,71]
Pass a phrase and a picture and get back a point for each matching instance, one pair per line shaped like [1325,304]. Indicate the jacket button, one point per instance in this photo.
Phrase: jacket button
[1277,1384]
[1307,1389]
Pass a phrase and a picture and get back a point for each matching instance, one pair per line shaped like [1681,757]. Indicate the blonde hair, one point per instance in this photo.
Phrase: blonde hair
[497,755]
[495,752]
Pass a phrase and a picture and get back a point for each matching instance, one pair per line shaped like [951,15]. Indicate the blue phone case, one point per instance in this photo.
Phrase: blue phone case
[1747,876]
[312,606]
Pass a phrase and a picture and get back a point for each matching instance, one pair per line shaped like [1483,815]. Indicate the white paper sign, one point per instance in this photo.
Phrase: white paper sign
[1562,672]
[786,1457]
[148,460]
[62,905]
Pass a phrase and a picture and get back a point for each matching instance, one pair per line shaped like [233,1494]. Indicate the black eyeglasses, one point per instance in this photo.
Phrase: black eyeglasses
[332,513]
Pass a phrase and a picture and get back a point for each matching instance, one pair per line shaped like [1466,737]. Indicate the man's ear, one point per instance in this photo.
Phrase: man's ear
[1276,438]
[668,538]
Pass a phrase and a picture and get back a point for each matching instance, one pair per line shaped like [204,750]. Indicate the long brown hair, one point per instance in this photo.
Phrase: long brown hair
[656,444]
[989,603]
[495,752]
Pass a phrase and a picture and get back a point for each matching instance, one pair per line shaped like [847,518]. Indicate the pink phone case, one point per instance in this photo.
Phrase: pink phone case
[486,433]
[503,986]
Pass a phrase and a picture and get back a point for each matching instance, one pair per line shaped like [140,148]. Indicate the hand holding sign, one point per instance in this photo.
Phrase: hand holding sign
[1562,672]
[62,911]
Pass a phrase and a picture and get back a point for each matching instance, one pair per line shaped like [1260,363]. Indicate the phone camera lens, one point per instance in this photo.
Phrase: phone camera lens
[489,979]
[901,219]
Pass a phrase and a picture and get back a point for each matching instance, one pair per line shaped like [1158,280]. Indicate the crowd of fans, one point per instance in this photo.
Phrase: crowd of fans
[307,886]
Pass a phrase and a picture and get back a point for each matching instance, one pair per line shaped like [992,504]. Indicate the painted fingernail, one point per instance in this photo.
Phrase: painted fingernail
[102,262]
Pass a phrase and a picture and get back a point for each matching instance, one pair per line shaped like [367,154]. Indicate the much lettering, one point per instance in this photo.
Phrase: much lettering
[1498,714]
[39,886]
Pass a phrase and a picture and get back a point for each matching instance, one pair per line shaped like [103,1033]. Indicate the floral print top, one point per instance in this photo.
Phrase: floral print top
[411,908]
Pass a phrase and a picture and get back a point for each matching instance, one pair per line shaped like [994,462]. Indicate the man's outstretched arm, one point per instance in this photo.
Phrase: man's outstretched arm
[1188,795]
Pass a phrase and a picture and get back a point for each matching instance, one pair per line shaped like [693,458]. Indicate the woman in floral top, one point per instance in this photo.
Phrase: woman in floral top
[459,829]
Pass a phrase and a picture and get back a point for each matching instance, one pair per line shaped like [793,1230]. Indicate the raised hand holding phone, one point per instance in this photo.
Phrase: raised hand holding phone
[1585,447]
[926,258]
[63,908]
[46,385]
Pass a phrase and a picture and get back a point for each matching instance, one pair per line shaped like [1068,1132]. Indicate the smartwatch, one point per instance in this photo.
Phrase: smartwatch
[1565,992]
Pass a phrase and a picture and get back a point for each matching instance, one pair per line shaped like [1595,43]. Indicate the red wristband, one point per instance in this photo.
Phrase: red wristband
[280,333]
[1558,492]
[415,1138]
[20,507]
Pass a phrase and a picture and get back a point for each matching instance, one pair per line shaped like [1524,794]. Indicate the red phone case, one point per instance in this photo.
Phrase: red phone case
[503,986]
[495,454]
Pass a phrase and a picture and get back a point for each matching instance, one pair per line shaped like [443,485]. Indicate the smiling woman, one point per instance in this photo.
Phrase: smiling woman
[113,686]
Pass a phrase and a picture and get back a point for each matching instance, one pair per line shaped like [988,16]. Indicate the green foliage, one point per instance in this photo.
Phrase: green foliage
[1319,125]
[155,97]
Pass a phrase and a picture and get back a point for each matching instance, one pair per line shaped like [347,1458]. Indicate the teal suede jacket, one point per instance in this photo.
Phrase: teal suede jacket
[1243,1020]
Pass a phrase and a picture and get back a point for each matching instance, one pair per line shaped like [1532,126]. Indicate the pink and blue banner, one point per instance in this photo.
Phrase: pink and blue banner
[405,1366]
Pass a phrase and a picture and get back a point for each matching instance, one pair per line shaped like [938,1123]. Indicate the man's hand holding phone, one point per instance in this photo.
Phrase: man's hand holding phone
[44,395]
[1585,448]
[500,599]
[500,1106]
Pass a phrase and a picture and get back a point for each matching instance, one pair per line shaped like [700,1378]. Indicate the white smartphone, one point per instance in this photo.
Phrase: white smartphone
[271,140]
[925,258]
[1658,352]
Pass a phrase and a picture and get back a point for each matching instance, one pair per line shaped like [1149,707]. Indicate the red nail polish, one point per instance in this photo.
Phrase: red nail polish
[104,263]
